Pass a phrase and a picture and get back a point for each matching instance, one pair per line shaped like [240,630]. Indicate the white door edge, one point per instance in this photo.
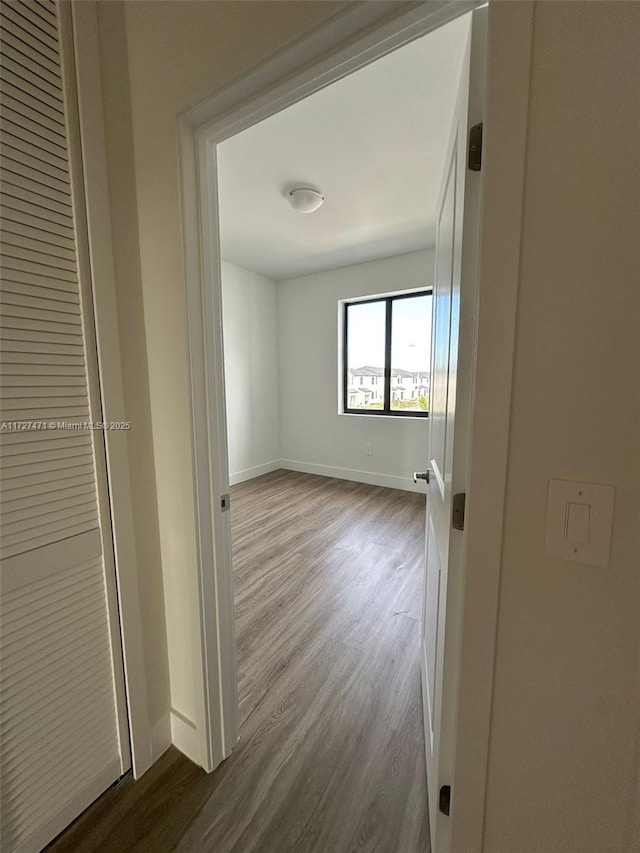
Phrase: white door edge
[80,20]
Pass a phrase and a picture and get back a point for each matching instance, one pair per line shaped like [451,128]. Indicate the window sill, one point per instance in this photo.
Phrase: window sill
[384,417]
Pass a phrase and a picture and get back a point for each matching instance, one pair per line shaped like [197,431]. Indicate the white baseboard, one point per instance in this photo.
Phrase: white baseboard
[257,471]
[371,477]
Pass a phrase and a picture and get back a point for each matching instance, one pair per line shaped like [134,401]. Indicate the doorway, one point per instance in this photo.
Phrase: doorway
[214,121]
[327,373]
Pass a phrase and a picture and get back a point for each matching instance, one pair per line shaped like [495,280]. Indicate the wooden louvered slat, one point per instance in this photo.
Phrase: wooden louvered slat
[38,349]
[42,108]
[42,680]
[42,211]
[79,468]
[28,514]
[18,134]
[64,686]
[9,65]
[27,68]
[37,120]
[45,681]
[35,50]
[31,740]
[51,450]
[30,143]
[21,743]
[33,88]
[24,586]
[29,11]
[20,175]
[32,491]
[40,314]
[12,547]
[11,264]
[27,362]
[55,441]
[16,215]
[36,251]
[49,524]
[21,18]
[31,373]
[41,285]
[54,379]
[44,532]
[38,63]
[41,797]
[36,791]
[35,335]
[66,326]
[11,187]
[13,181]
[39,647]
[39,291]
[22,639]
[41,239]
[46,11]
[21,223]
[50,414]
[36,594]
[36,164]
[31,440]
[52,463]
[40,16]
[60,740]
[31,505]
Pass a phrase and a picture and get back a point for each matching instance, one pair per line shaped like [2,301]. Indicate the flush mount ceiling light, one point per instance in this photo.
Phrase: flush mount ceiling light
[304,199]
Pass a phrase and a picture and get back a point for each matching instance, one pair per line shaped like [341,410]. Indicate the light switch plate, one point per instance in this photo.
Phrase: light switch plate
[567,497]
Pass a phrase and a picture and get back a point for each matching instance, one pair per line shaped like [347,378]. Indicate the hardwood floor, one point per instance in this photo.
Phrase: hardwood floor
[331,755]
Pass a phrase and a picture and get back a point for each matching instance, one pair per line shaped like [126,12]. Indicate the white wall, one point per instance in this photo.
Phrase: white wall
[249,316]
[566,705]
[313,436]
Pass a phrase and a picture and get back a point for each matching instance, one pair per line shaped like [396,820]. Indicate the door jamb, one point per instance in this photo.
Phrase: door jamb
[146,746]
[308,66]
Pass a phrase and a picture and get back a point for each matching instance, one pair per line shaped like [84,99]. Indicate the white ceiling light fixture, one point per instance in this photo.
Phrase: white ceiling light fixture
[304,199]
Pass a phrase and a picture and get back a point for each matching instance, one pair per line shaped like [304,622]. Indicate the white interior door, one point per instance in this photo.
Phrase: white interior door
[64,735]
[454,294]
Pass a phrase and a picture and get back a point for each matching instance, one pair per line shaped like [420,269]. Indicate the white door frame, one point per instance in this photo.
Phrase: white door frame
[328,54]
[82,48]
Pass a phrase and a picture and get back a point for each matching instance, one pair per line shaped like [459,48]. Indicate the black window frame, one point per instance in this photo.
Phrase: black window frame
[386,410]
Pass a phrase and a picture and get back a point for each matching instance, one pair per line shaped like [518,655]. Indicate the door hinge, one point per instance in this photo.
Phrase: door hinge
[457,514]
[475,147]
[444,803]
[225,502]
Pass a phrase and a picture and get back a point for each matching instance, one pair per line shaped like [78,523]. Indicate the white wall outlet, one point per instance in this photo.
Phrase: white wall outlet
[368,450]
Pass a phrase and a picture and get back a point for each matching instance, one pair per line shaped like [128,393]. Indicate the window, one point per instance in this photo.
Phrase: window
[387,354]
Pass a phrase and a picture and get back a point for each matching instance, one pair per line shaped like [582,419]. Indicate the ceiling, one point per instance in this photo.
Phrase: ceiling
[374,143]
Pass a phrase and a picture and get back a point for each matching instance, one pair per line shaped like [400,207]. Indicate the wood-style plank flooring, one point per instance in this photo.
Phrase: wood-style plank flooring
[328,578]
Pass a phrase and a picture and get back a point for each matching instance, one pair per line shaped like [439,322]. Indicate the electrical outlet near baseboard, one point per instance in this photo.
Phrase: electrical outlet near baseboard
[368,450]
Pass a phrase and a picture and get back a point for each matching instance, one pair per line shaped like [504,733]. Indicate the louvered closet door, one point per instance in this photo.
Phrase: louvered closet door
[64,737]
